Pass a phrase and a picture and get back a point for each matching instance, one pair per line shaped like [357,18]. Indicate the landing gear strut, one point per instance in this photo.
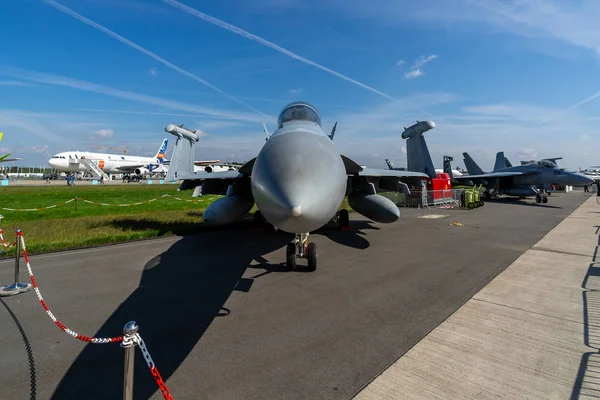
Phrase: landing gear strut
[301,248]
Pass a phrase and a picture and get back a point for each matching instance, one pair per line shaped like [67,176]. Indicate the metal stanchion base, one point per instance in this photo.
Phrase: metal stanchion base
[15,288]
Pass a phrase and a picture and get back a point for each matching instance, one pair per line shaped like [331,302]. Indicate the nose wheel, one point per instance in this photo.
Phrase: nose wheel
[301,248]
[541,198]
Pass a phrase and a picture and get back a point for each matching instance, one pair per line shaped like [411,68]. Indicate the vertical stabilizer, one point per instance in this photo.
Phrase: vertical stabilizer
[471,165]
[500,161]
[389,163]
[448,166]
[162,150]
[182,159]
[507,163]
[418,157]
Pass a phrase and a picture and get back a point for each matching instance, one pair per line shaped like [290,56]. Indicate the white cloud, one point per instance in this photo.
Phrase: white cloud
[422,60]
[528,154]
[201,133]
[415,69]
[481,130]
[12,83]
[400,63]
[103,133]
[264,42]
[58,80]
[413,74]
[147,52]
[296,91]
[585,138]
[36,149]
[153,71]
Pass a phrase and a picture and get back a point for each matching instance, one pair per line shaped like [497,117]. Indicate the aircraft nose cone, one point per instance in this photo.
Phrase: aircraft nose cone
[298,181]
[585,180]
[296,211]
[431,124]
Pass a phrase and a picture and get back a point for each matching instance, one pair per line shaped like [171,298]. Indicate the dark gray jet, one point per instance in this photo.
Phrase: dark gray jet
[298,181]
[521,181]
[524,180]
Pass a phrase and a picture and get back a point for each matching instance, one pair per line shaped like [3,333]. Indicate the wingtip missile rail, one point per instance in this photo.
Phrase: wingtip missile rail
[417,129]
[181,132]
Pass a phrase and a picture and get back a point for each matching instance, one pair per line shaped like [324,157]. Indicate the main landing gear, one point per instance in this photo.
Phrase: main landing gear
[541,198]
[301,248]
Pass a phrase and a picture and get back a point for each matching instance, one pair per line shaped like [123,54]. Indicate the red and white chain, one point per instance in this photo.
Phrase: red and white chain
[123,205]
[52,317]
[3,242]
[39,208]
[128,341]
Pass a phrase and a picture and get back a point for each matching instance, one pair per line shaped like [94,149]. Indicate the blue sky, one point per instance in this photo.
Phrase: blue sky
[511,75]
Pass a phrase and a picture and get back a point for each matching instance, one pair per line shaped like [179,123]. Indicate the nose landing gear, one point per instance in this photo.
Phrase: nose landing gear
[301,248]
[541,198]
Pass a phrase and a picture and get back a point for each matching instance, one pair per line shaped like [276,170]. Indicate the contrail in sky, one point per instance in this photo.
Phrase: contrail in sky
[143,50]
[262,41]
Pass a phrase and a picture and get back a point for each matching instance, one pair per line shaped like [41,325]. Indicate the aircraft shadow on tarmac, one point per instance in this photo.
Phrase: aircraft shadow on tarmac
[353,238]
[515,201]
[180,292]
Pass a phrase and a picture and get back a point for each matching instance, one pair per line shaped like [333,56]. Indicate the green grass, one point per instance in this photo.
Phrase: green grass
[79,224]
[44,196]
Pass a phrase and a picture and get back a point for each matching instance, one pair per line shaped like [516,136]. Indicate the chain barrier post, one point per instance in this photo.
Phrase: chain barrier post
[16,287]
[1,218]
[129,341]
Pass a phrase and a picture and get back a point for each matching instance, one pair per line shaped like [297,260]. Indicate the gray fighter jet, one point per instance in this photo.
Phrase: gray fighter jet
[522,181]
[298,181]
[531,179]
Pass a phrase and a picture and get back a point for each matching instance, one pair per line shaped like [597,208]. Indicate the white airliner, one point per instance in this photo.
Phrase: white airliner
[69,161]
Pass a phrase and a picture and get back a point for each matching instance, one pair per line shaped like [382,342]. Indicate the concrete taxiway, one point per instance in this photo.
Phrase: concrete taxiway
[223,319]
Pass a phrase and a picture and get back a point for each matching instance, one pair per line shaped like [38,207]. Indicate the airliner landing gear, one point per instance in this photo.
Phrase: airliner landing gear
[301,248]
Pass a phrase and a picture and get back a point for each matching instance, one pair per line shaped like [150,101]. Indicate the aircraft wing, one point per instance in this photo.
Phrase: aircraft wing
[491,175]
[219,175]
[210,162]
[376,173]
[131,168]
[9,159]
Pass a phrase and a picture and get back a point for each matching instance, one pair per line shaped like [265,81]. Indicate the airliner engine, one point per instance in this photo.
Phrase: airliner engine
[141,171]
[374,207]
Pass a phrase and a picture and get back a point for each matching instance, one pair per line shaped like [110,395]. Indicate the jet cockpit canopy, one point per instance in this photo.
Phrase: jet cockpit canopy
[298,111]
[547,164]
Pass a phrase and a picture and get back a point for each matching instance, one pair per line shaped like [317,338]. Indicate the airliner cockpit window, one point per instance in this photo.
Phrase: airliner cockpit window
[299,112]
